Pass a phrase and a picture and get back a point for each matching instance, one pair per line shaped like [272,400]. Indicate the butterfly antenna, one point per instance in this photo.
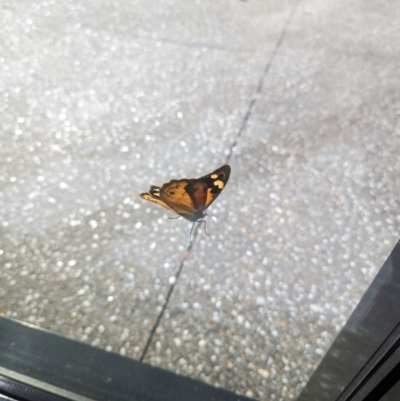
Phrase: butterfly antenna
[217,217]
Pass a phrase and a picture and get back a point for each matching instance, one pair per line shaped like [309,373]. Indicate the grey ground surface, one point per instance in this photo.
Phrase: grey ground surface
[101,99]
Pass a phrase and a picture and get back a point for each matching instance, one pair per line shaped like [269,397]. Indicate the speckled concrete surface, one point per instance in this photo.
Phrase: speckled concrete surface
[101,99]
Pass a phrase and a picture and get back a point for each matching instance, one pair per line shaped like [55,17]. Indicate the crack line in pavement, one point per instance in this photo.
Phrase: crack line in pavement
[234,144]
[171,290]
[260,83]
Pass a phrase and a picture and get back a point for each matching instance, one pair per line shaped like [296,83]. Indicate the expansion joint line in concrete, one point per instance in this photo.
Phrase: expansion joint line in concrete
[171,290]
[257,92]
[233,146]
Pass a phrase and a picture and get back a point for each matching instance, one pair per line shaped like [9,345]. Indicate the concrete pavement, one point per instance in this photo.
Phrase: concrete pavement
[101,99]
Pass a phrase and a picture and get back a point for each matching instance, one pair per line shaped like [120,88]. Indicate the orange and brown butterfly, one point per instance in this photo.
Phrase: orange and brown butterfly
[190,197]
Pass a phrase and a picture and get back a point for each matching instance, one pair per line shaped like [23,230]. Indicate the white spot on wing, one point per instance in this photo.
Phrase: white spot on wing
[219,184]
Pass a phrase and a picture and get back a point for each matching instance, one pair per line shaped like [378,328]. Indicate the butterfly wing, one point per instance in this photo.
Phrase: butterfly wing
[190,197]
[185,197]
[215,183]
[154,196]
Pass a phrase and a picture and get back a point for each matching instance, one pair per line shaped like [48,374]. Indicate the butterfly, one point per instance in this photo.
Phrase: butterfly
[190,197]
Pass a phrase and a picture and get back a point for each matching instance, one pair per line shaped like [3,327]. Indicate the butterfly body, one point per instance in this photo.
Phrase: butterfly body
[189,197]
